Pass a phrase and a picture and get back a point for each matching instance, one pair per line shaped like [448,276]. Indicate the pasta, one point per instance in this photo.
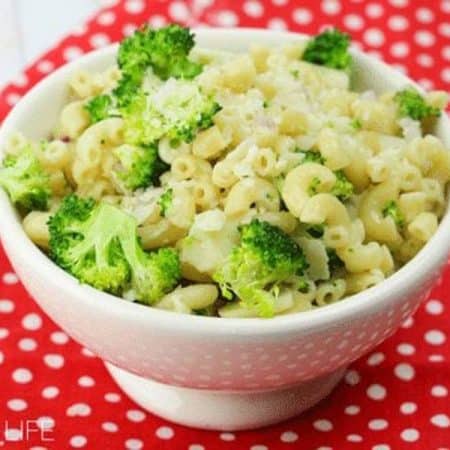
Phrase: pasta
[353,185]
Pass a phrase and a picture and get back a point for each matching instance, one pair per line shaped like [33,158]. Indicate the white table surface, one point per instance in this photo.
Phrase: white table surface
[29,27]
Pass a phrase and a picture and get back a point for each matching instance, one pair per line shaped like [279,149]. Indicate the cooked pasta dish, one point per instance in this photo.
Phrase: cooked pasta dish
[231,184]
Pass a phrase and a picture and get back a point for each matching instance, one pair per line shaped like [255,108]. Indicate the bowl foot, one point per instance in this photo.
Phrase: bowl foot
[219,410]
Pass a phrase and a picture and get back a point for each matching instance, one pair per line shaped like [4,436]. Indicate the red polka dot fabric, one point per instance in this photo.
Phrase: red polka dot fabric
[56,395]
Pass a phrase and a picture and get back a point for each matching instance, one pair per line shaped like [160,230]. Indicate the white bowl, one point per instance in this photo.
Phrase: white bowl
[208,372]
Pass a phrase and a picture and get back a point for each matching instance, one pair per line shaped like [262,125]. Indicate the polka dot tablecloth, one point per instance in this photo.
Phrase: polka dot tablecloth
[395,398]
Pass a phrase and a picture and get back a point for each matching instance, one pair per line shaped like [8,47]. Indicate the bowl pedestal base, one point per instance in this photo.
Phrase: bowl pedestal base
[221,410]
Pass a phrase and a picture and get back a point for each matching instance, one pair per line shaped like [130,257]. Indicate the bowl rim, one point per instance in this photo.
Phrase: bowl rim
[368,301]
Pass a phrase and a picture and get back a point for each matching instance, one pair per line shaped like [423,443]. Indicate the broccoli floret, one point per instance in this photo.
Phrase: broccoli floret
[165,201]
[99,108]
[98,244]
[412,104]
[316,231]
[329,49]
[356,124]
[391,209]
[334,262]
[342,189]
[178,110]
[311,156]
[25,181]
[314,186]
[265,257]
[139,166]
[165,50]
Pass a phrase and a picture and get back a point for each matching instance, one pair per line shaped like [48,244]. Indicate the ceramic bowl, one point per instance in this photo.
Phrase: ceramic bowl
[205,372]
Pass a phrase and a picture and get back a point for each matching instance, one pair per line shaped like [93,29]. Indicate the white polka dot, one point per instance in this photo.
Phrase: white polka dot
[50,392]
[226,18]
[22,376]
[406,349]
[378,424]
[178,11]
[6,306]
[86,352]
[10,278]
[424,38]
[354,438]
[71,53]
[32,322]
[399,3]
[375,359]
[45,66]
[134,6]
[254,447]
[302,16]
[79,29]
[381,447]
[408,323]
[353,21]
[45,422]
[128,29]
[54,361]
[110,427]
[289,436]
[374,10]
[323,425]
[78,441]
[439,391]
[445,75]
[21,80]
[157,21]
[435,307]
[79,410]
[201,447]
[374,37]
[376,392]
[331,7]
[398,23]
[17,404]
[59,337]
[135,415]
[436,358]
[352,377]
[106,18]
[165,433]
[426,83]
[86,381]
[400,49]
[134,444]
[253,8]
[444,29]
[445,6]
[424,15]
[408,408]
[277,24]
[13,435]
[4,333]
[12,98]
[435,337]
[227,437]
[441,420]
[352,410]
[112,397]
[99,40]
[280,2]
[27,344]
[425,60]
[410,435]
[404,371]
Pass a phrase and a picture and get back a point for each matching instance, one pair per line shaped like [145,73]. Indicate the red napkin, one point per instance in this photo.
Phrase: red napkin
[395,398]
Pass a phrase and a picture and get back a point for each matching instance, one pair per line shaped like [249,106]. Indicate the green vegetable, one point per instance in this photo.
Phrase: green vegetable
[165,201]
[139,167]
[98,244]
[316,231]
[99,108]
[356,124]
[329,49]
[265,257]
[391,209]
[412,104]
[25,181]
[334,262]
[178,110]
[311,156]
[342,189]
[313,186]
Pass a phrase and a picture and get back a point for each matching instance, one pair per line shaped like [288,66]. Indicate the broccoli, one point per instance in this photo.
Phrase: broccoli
[99,108]
[356,124]
[98,244]
[313,186]
[316,231]
[412,104]
[334,262]
[342,189]
[24,179]
[165,201]
[311,156]
[265,257]
[329,49]
[177,110]
[391,209]
[139,167]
